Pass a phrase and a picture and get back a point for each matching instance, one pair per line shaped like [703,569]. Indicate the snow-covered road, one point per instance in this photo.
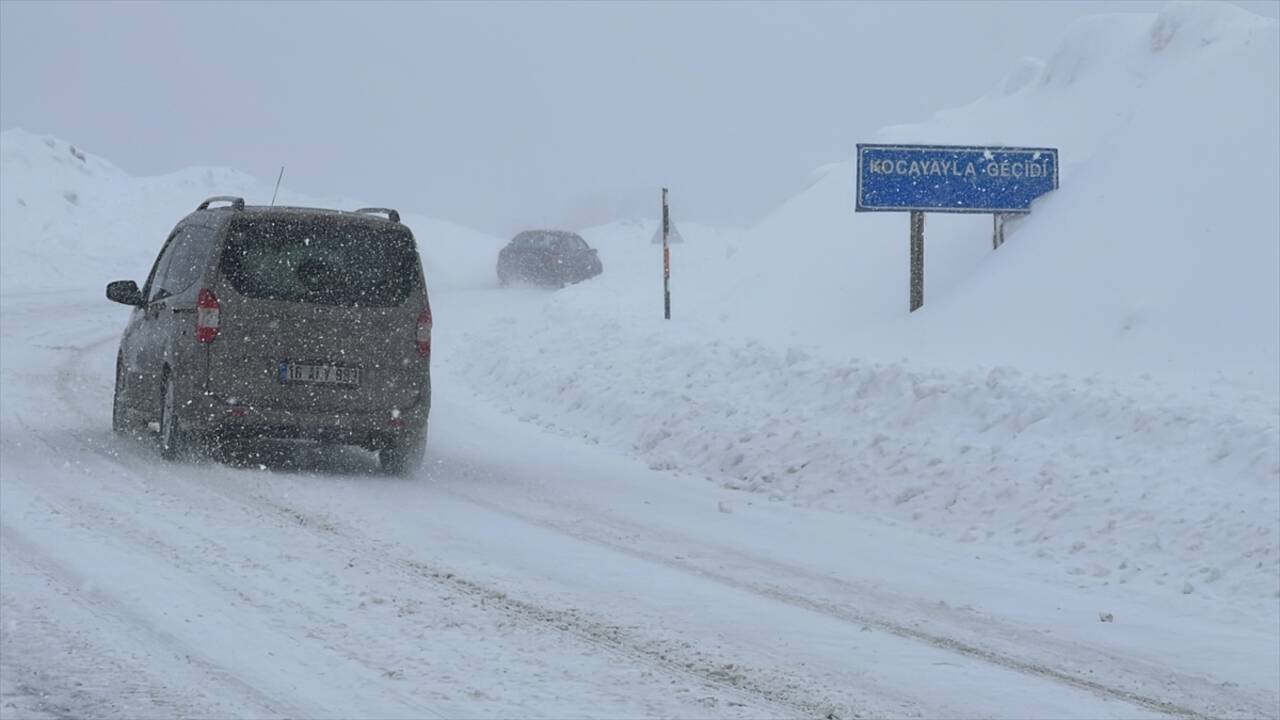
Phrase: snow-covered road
[523,574]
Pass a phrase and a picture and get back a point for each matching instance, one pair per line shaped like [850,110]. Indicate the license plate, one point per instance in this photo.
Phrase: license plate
[295,372]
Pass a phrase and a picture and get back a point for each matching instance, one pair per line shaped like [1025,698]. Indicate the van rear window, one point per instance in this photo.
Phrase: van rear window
[320,260]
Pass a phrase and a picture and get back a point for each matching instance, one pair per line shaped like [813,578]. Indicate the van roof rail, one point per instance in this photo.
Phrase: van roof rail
[392,215]
[237,203]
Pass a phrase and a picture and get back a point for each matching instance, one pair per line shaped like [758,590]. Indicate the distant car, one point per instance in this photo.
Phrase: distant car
[275,322]
[548,257]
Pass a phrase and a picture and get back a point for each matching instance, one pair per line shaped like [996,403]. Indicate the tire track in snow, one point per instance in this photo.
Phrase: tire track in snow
[786,694]
[115,614]
[844,613]
[160,481]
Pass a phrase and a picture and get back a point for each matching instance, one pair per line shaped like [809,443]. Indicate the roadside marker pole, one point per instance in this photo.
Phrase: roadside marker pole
[277,190]
[917,259]
[666,257]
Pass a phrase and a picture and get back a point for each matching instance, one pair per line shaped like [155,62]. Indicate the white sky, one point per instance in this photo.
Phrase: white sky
[508,115]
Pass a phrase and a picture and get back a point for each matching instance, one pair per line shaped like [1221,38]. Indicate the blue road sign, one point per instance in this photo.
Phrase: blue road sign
[938,178]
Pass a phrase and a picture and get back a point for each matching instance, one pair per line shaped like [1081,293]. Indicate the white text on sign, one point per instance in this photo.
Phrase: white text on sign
[1015,169]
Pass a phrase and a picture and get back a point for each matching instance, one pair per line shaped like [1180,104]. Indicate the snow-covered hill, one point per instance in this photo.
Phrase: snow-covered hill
[1160,253]
[69,218]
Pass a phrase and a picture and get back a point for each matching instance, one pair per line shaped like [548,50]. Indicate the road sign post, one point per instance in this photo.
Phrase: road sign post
[956,179]
[666,257]
[997,228]
[917,260]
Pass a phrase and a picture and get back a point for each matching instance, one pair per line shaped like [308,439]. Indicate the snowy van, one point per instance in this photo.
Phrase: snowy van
[276,322]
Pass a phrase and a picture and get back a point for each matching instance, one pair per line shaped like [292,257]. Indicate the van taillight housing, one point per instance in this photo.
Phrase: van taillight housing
[208,315]
[424,332]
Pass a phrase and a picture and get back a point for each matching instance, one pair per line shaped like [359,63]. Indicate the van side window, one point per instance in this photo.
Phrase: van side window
[151,291]
[190,256]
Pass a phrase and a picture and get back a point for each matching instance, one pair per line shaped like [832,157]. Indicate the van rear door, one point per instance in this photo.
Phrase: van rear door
[319,314]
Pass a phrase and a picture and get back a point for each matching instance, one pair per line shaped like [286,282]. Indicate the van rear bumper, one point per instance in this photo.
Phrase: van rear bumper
[217,418]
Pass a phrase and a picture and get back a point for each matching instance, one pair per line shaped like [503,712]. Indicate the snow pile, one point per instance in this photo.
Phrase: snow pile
[1105,485]
[1138,440]
[71,220]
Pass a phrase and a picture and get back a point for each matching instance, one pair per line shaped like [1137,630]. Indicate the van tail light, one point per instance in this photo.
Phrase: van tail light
[208,316]
[424,332]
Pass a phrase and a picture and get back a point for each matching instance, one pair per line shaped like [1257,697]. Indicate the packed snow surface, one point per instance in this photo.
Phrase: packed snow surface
[1053,491]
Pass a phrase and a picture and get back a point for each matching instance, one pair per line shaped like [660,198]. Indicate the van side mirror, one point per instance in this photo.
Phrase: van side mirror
[125,292]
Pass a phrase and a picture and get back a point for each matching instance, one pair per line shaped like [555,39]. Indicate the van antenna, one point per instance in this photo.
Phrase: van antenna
[277,191]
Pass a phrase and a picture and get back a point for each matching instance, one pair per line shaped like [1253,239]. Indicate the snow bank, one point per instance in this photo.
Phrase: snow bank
[1136,443]
[1087,479]
[70,220]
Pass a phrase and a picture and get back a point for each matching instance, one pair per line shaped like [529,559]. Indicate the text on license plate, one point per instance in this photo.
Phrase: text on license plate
[325,374]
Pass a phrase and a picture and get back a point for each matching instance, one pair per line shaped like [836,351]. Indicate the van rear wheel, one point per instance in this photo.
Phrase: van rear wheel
[120,421]
[173,442]
[403,455]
